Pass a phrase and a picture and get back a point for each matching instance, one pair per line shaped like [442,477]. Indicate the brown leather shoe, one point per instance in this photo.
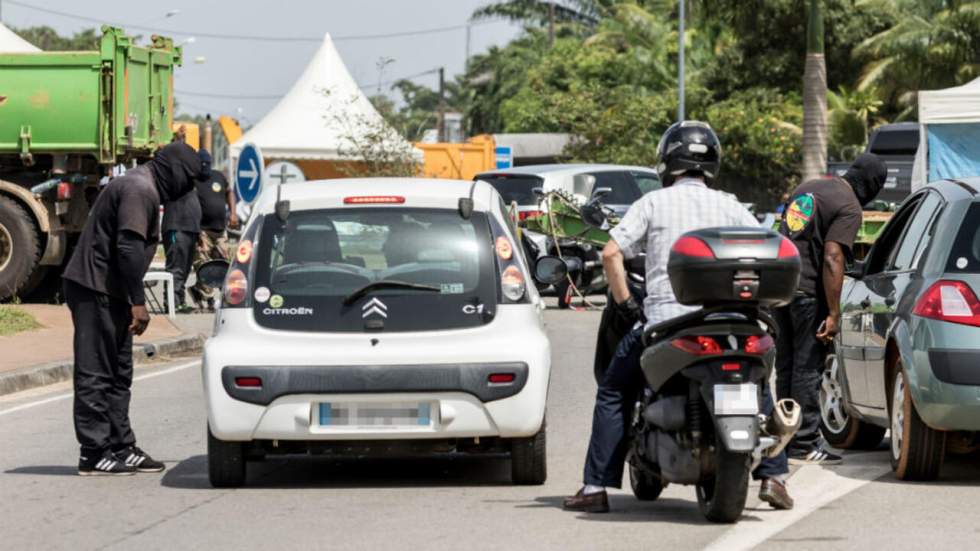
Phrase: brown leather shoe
[774,493]
[592,503]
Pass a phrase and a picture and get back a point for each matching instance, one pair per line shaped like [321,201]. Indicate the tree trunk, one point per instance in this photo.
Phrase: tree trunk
[814,98]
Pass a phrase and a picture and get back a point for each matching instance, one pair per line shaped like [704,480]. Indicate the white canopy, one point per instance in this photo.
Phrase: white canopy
[11,43]
[321,116]
[949,146]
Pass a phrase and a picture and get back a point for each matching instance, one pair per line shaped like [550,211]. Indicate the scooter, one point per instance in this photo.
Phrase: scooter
[699,419]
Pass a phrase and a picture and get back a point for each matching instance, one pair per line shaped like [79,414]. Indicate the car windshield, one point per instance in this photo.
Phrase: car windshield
[515,187]
[429,262]
[964,257]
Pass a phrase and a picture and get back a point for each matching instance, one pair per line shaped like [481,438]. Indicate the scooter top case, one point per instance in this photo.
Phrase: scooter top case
[746,265]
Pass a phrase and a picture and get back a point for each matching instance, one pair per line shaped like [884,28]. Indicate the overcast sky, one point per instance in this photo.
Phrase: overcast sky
[243,67]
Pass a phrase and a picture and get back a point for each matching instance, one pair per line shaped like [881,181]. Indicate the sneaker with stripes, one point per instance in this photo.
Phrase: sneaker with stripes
[139,460]
[105,465]
[818,456]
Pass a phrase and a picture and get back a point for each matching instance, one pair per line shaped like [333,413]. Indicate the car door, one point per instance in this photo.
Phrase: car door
[857,303]
[889,286]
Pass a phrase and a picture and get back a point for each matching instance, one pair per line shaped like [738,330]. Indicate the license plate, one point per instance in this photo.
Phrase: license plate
[376,415]
[736,399]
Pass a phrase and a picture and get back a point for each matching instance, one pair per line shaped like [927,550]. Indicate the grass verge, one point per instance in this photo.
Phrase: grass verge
[14,320]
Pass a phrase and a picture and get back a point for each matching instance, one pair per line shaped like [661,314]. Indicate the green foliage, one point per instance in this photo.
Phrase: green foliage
[49,40]
[14,320]
[851,113]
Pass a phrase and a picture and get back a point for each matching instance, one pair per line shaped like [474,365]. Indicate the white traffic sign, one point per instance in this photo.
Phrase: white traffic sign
[284,172]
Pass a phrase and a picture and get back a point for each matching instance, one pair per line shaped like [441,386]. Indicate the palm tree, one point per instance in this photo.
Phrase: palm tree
[814,96]
[543,12]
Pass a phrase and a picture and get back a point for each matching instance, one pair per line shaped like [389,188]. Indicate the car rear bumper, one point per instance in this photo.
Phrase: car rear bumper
[950,398]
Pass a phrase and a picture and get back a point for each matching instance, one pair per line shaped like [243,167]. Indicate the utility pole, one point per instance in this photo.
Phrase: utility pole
[442,104]
[680,63]
[551,23]
[466,61]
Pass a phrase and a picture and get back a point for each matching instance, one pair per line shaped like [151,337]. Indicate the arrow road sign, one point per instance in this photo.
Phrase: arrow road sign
[374,306]
[248,173]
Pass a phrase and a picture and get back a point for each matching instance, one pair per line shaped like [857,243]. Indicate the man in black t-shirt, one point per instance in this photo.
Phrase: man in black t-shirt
[103,286]
[215,195]
[822,218]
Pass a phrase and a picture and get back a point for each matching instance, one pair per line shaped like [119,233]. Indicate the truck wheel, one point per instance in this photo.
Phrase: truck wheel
[529,459]
[917,451]
[721,497]
[646,486]
[20,248]
[226,462]
[839,428]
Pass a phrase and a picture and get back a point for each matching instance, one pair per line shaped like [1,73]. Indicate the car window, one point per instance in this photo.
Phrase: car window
[646,182]
[517,188]
[964,256]
[624,189]
[887,243]
[915,238]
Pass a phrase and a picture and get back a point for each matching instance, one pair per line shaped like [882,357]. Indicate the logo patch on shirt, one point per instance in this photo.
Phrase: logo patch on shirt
[216,187]
[799,213]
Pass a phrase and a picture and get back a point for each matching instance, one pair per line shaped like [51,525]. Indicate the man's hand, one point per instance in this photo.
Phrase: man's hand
[233,220]
[141,319]
[631,310]
[828,330]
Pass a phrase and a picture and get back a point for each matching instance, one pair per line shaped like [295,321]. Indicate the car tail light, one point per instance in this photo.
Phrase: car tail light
[236,287]
[524,215]
[244,252]
[787,249]
[64,191]
[949,300]
[501,378]
[248,382]
[692,246]
[503,247]
[512,283]
[699,346]
[374,200]
[731,366]
[756,344]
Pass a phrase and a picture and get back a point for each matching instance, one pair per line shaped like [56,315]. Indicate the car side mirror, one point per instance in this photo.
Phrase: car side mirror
[549,270]
[601,192]
[212,273]
[855,270]
[592,214]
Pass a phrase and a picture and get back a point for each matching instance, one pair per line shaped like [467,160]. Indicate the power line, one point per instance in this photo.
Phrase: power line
[220,36]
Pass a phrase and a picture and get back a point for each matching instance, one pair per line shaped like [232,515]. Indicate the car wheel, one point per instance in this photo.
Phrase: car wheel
[840,429]
[226,462]
[529,459]
[646,486]
[916,450]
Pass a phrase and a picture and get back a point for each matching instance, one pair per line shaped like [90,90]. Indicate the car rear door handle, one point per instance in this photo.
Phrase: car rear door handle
[866,303]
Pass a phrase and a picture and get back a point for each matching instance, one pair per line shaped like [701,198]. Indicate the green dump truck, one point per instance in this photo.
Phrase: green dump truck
[66,119]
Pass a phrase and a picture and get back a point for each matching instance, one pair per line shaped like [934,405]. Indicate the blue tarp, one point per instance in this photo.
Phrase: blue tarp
[954,150]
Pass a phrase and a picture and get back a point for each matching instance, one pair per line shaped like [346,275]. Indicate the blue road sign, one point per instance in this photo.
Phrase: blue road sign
[504,156]
[248,173]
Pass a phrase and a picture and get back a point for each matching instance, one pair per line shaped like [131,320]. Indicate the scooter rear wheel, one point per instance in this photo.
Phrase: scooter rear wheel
[721,498]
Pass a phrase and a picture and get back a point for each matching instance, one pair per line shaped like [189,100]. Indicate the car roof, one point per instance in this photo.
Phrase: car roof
[422,192]
[570,168]
[958,189]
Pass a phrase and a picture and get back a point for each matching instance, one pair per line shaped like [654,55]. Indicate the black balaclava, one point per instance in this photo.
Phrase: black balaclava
[867,176]
[205,161]
[175,168]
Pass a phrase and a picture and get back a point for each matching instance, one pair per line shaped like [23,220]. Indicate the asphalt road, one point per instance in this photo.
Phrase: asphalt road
[427,504]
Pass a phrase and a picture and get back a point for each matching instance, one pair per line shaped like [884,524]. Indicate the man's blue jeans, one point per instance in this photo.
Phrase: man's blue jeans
[606,457]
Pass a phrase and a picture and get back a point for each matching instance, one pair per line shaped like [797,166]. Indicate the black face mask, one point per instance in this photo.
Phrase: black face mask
[867,176]
[175,169]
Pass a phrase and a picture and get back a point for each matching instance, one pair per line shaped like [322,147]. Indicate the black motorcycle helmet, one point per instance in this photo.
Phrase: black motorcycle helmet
[688,146]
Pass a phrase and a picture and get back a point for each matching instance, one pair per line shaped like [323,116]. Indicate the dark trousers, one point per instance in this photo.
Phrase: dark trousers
[179,247]
[799,365]
[614,400]
[103,369]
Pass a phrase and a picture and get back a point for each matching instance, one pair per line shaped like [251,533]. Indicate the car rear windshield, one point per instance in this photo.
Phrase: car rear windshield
[964,257]
[515,188]
[307,267]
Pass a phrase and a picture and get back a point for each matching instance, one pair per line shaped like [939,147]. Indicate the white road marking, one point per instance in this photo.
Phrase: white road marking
[160,373]
[812,488]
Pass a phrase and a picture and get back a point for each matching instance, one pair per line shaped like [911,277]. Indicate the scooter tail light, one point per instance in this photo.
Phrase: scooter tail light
[236,287]
[759,344]
[787,249]
[699,345]
[949,300]
[692,246]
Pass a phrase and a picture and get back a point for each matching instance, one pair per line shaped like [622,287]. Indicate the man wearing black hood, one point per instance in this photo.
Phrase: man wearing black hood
[181,227]
[103,285]
[822,218]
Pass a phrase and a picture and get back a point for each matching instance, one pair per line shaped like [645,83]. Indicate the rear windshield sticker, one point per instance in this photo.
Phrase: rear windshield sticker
[799,213]
[276,301]
[262,294]
[451,288]
[961,262]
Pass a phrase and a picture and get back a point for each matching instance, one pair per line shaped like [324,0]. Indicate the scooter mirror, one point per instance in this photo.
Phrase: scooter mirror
[549,270]
[601,192]
[212,273]
[592,214]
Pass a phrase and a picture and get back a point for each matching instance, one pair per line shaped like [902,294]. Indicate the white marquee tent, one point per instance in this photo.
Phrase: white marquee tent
[11,43]
[950,134]
[314,123]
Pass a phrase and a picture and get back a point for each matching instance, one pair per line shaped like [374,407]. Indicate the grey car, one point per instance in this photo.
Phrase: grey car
[908,354]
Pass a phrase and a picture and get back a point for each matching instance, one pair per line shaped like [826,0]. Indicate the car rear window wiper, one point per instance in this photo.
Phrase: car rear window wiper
[387,284]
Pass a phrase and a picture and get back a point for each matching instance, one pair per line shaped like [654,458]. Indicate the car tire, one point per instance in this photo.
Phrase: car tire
[226,462]
[839,428]
[916,450]
[646,486]
[20,248]
[529,459]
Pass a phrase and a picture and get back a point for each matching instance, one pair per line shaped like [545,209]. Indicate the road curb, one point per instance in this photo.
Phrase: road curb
[55,372]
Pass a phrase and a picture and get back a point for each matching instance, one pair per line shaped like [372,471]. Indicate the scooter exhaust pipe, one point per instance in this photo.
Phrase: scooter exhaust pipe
[782,424]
